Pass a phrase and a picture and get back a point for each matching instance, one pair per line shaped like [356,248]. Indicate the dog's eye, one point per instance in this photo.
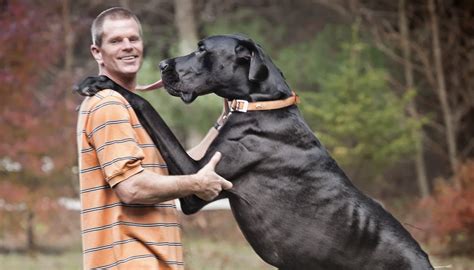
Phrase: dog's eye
[201,48]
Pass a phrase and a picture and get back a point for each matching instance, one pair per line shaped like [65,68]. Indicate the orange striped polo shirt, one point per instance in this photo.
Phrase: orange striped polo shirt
[112,146]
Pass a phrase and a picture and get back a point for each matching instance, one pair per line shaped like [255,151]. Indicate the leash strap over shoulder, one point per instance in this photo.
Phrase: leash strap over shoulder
[240,105]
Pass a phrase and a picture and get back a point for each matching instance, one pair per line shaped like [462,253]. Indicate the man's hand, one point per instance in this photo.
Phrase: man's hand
[93,84]
[210,184]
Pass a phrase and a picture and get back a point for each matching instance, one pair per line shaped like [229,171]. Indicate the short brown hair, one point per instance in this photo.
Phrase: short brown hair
[97,29]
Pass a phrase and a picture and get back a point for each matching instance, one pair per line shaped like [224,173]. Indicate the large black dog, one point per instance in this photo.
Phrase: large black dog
[295,206]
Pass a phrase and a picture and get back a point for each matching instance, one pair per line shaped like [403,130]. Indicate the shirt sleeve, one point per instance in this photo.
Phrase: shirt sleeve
[112,135]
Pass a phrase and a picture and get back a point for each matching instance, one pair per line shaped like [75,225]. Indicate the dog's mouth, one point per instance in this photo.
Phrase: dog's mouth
[175,87]
[186,97]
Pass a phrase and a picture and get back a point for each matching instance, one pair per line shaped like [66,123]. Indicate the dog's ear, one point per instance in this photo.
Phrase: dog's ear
[258,71]
[243,52]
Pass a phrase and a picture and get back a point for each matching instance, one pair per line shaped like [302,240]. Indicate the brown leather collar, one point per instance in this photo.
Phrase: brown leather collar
[240,105]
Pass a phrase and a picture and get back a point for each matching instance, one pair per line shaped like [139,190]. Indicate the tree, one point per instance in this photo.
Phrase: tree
[439,49]
[356,115]
[441,88]
[186,25]
[420,166]
[34,107]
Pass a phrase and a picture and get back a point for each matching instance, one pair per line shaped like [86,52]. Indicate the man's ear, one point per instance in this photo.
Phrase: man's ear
[97,54]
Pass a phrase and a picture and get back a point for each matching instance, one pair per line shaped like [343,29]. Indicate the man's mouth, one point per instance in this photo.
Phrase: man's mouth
[128,57]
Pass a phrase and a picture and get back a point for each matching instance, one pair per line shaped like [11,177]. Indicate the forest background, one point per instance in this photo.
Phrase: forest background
[388,87]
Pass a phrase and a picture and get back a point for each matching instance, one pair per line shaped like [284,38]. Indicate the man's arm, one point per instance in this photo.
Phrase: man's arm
[150,188]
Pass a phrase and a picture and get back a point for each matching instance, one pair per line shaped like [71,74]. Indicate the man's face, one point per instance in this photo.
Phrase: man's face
[121,53]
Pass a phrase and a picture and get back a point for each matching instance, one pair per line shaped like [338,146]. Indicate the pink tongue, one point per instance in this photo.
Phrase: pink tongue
[149,87]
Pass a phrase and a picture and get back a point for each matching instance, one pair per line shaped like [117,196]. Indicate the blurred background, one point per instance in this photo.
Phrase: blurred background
[388,87]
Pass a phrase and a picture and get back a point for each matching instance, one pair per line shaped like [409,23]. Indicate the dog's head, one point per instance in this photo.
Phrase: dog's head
[230,66]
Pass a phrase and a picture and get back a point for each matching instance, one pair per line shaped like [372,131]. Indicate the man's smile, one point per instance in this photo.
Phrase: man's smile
[128,58]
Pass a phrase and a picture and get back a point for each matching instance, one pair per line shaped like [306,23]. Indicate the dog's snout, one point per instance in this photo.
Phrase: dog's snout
[164,66]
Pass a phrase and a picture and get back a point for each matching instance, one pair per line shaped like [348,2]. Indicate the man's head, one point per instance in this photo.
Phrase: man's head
[117,43]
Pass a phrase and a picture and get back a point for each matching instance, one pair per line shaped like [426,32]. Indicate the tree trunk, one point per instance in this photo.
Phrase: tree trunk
[412,109]
[68,37]
[441,89]
[30,232]
[186,24]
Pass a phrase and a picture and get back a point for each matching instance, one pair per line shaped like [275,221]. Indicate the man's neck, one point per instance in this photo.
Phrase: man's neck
[128,83]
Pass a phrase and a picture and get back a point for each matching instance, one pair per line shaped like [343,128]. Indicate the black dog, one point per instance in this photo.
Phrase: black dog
[295,206]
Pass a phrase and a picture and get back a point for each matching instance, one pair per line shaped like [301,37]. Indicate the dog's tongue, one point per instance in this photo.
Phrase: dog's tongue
[187,97]
[149,87]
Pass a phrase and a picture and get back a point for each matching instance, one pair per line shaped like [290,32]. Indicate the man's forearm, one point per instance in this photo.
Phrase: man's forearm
[149,188]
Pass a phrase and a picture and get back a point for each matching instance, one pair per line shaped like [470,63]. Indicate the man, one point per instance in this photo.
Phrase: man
[128,216]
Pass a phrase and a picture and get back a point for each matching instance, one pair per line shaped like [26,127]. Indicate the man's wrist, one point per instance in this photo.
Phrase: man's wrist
[193,183]
[188,184]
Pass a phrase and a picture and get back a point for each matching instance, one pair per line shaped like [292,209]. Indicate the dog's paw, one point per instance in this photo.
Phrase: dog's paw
[93,84]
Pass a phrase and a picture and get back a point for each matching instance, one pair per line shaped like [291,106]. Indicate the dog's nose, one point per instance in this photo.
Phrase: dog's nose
[164,66]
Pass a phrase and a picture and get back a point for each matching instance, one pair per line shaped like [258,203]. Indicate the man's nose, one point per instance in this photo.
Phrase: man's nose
[127,44]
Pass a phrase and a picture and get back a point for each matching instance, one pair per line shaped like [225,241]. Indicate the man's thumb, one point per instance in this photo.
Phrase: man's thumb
[214,160]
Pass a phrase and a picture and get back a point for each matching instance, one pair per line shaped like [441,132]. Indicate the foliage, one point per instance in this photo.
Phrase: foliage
[28,96]
[306,64]
[25,50]
[449,212]
[353,110]
[248,23]
[35,108]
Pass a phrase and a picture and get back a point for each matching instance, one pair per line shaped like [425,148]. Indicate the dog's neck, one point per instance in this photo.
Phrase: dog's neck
[267,90]
[244,105]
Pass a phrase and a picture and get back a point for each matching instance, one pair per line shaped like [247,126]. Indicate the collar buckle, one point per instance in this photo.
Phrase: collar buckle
[239,105]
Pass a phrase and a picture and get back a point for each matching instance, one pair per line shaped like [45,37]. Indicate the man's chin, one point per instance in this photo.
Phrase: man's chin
[130,71]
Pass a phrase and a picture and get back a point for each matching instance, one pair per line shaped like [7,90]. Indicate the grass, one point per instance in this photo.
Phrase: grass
[212,241]
[208,254]
[201,253]
[70,260]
